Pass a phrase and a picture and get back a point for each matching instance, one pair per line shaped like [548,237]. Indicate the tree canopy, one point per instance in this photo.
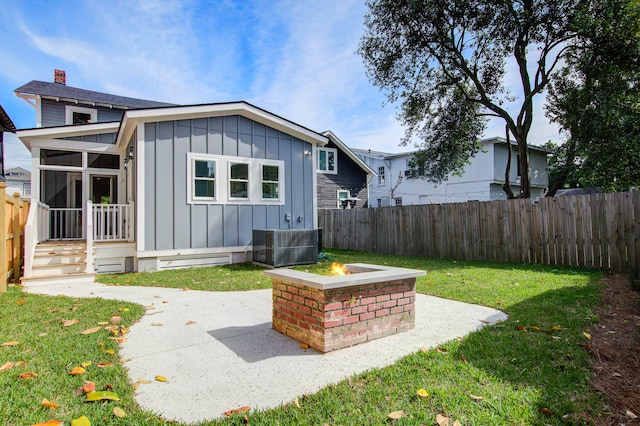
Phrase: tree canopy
[596,101]
[445,62]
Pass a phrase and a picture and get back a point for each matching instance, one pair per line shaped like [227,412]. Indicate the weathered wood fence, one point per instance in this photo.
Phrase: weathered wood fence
[599,231]
[13,217]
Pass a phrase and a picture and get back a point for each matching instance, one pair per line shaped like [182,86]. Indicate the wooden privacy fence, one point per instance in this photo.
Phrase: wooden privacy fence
[13,217]
[592,231]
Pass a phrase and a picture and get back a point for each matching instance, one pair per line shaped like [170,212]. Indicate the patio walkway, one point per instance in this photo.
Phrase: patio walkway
[230,357]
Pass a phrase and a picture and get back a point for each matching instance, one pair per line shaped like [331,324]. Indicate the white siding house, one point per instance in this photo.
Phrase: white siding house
[482,180]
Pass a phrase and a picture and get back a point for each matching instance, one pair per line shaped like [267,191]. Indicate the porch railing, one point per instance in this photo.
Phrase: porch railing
[112,222]
[66,223]
[35,231]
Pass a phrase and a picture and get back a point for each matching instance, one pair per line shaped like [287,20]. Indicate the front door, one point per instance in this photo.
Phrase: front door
[104,189]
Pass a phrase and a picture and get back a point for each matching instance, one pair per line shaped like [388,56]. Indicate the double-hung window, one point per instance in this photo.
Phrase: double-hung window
[204,179]
[381,177]
[270,182]
[327,160]
[238,181]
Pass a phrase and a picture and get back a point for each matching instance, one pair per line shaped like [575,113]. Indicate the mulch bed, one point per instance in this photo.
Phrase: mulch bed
[615,351]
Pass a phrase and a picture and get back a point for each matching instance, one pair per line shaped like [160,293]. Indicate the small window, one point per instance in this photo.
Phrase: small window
[79,115]
[327,160]
[381,177]
[379,202]
[103,161]
[398,201]
[270,182]
[51,157]
[343,194]
[238,181]
[204,180]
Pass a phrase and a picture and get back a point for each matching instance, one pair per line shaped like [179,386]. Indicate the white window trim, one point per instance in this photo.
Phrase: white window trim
[248,181]
[191,195]
[335,160]
[223,172]
[70,109]
[339,201]
[382,175]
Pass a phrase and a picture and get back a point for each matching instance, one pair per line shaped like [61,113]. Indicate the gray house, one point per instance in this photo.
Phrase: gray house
[152,186]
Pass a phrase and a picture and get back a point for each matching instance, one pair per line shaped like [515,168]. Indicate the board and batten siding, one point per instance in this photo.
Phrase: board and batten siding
[53,113]
[171,223]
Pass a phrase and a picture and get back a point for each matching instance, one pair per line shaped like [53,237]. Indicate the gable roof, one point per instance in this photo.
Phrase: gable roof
[6,125]
[17,174]
[63,92]
[344,148]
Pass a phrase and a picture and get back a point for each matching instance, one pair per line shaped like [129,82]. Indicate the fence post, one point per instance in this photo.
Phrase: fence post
[3,237]
[15,243]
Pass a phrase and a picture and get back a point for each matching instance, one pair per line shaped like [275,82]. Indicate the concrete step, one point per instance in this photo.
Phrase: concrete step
[56,279]
[42,259]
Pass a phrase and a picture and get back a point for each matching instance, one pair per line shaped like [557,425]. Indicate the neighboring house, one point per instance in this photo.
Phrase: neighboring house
[342,177]
[170,185]
[6,125]
[18,180]
[482,180]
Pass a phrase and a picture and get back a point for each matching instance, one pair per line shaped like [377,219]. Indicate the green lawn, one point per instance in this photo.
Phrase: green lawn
[529,370]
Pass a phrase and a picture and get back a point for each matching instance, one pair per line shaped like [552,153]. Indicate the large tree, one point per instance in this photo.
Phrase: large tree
[596,100]
[444,61]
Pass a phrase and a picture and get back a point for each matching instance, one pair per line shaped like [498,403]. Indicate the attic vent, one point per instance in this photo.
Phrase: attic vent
[285,247]
[60,77]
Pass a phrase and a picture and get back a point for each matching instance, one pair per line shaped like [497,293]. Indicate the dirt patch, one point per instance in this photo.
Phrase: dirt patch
[615,350]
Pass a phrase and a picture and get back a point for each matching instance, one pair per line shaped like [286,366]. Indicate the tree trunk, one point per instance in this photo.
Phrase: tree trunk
[506,187]
[525,183]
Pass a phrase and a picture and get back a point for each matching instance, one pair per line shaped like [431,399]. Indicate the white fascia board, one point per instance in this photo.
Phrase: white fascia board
[29,135]
[68,145]
[132,117]
[344,148]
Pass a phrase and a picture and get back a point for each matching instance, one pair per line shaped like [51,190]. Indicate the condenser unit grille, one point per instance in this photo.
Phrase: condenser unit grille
[285,247]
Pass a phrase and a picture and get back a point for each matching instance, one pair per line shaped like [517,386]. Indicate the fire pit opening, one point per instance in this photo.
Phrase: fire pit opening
[362,303]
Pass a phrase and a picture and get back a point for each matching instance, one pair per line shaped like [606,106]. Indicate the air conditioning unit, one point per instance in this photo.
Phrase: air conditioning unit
[285,247]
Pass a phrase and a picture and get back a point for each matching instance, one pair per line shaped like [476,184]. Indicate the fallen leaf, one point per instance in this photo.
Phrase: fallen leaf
[120,339]
[304,346]
[7,366]
[521,328]
[42,334]
[442,420]
[119,412]
[546,411]
[81,421]
[156,324]
[587,335]
[88,387]
[144,381]
[14,343]
[20,364]
[68,323]
[124,330]
[556,328]
[457,423]
[631,415]
[534,327]
[103,323]
[46,403]
[397,414]
[104,364]
[115,319]
[617,375]
[423,393]
[20,301]
[476,397]
[297,402]
[102,395]
[441,350]
[161,378]
[86,364]
[28,375]
[49,423]
[237,410]
[151,306]
[186,289]
[124,309]
[190,322]
[91,330]
[112,327]
[76,371]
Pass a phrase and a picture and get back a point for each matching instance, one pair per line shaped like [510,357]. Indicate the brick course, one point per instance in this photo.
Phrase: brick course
[337,318]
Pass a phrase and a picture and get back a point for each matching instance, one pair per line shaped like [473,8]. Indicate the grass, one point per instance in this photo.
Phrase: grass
[500,375]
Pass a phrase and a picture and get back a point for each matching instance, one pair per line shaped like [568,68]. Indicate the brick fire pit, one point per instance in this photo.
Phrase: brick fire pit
[334,312]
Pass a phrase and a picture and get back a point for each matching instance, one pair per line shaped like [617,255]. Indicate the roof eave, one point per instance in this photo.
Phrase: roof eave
[336,140]
[28,135]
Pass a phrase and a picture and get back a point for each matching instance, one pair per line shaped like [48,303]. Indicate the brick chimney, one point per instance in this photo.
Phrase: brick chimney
[60,77]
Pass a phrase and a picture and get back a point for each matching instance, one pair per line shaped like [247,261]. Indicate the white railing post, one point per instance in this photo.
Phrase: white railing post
[130,210]
[89,221]
[36,230]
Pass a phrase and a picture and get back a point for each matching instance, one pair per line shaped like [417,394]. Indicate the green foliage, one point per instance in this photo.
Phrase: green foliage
[596,100]
[445,63]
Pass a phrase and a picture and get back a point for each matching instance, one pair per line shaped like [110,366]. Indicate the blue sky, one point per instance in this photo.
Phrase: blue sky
[294,58]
